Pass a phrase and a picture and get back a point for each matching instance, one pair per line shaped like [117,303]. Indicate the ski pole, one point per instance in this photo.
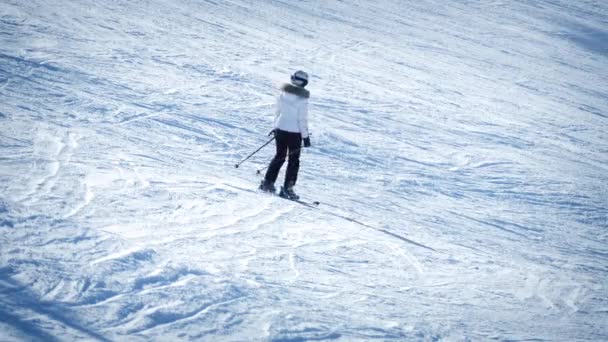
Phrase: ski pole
[256,151]
[265,167]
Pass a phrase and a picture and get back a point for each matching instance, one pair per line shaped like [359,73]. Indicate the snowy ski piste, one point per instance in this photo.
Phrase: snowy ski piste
[459,160]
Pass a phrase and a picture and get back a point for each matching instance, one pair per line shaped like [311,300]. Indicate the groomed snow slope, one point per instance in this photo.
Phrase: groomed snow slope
[460,155]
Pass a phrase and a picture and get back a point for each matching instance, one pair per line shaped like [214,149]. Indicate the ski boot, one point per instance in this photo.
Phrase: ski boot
[267,186]
[288,193]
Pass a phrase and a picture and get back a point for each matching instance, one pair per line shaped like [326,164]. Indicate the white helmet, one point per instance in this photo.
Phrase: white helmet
[299,78]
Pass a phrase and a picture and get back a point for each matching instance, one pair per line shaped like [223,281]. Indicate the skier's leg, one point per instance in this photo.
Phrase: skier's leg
[293,165]
[279,158]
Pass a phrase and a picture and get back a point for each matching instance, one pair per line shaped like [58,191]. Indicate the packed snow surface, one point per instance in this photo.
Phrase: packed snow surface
[460,156]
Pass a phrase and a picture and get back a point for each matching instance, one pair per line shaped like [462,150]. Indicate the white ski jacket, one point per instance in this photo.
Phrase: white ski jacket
[292,110]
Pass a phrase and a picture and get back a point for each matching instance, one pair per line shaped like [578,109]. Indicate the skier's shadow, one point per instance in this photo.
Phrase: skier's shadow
[588,37]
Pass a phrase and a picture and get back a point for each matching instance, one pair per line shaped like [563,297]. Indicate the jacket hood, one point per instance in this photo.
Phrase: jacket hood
[298,91]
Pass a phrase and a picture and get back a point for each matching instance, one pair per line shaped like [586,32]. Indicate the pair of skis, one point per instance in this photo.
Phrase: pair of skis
[311,204]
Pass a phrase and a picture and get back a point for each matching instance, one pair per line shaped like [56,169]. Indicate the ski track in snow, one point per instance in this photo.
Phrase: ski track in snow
[459,154]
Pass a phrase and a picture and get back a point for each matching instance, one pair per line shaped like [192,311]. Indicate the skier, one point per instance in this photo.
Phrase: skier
[290,128]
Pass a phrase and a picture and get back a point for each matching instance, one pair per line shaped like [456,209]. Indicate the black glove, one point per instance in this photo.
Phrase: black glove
[272,132]
[307,142]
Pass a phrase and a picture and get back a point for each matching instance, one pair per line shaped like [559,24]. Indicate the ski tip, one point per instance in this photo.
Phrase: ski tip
[316,203]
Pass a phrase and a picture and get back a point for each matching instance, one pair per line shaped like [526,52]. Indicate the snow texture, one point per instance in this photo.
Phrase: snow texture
[460,155]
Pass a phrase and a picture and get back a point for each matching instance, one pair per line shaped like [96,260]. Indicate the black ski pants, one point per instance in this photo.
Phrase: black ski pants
[287,142]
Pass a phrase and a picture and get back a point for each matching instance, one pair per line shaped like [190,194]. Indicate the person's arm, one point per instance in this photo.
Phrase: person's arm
[277,112]
[303,119]
[303,123]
